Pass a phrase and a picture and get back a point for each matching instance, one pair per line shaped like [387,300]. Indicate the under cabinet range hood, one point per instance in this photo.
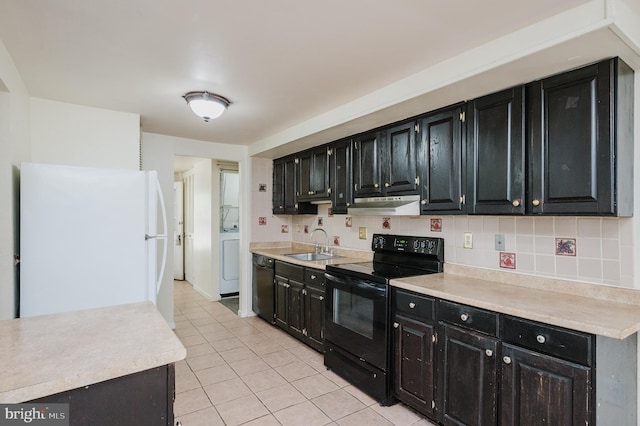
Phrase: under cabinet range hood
[405,205]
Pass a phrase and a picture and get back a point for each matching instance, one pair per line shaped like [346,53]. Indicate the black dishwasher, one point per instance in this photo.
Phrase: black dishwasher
[263,287]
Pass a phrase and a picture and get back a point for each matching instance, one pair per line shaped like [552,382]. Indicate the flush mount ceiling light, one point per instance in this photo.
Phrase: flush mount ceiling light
[207,105]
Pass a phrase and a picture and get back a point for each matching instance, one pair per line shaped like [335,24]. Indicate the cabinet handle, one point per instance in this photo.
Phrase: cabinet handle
[489,352]
[313,277]
[506,360]
[375,185]
[535,203]
[412,305]
[321,297]
[516,203]
[540,338]
[424,202]
[348,204]
[464,317]
[386,184]
[396,325]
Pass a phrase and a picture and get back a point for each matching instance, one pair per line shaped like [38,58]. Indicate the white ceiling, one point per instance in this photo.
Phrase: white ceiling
[280,62]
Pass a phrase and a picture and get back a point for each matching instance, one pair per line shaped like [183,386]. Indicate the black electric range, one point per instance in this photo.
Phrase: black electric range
[357,311]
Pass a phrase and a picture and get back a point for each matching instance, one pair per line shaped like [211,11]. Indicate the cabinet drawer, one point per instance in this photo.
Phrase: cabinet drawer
[413,304]
[555,341]
[314,277]
[288,270]
[468,317]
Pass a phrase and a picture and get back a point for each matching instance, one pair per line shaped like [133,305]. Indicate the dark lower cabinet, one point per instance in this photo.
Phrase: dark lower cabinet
[414,363]
[144,398]
[299,303]
[314,319]
[539,389]
[468,379]
[462,365]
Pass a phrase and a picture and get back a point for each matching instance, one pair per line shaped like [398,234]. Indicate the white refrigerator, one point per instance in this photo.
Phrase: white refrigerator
[89,238]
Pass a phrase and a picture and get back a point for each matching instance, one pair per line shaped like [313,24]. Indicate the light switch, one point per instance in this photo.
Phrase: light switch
[499,242]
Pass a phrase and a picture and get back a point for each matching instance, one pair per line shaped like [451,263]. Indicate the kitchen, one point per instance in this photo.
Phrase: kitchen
[47,131]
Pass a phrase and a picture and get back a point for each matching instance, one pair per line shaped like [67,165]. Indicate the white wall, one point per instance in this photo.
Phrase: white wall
[76,135]
[202,244]
[14,148]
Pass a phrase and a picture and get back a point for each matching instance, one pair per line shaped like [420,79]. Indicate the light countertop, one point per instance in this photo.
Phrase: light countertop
[279,251]
[48,354]
[598,309]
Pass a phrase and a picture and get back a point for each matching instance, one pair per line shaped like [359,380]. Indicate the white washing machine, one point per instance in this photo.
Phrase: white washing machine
[229,262]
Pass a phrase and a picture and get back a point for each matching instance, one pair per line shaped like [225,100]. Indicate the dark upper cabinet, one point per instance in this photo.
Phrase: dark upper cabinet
[313,178]
[367,164]
[496,153]
[440,160]
[341,182]
[399,159]
[580,141]
[285,188]
[385,161]
[278,186]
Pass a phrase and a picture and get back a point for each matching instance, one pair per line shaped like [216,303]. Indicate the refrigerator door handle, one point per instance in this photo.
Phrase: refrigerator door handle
[163,236]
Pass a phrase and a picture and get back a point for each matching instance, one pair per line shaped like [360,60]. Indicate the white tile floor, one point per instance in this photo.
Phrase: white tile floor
[244,371]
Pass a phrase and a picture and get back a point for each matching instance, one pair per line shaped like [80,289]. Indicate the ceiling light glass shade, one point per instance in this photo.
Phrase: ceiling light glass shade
[207,105]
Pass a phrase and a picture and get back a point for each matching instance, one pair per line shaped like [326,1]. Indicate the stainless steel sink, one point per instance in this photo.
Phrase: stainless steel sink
[312,256]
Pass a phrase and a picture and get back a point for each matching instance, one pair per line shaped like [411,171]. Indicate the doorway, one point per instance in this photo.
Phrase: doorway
[206,240]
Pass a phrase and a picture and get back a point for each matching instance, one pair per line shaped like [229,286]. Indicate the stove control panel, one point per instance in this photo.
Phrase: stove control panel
[407,244]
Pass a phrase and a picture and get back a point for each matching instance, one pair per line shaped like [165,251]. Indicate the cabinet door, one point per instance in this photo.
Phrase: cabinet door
[290,185]
[570,137]
[414,363]
[341,179]
[305,165]
[539,389]
[495,153]
[296,308]
[468,381]
[278,186]
[367,175]
[282,302]
[440,160]
[399,160]
[313,174]
[314,319]
[320,173]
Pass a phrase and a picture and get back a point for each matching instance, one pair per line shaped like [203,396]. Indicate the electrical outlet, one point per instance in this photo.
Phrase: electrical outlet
[297,228]
[499,242]
[468,240]
[362,233]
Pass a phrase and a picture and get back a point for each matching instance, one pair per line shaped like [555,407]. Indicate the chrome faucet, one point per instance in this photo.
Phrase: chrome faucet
[326,244]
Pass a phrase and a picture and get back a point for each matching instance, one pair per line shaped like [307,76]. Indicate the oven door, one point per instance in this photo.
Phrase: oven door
[356,317]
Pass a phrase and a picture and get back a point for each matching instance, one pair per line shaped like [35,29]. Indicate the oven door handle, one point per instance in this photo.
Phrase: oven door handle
[359,284]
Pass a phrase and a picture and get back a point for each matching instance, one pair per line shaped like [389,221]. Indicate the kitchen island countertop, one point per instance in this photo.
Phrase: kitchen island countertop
[49,354]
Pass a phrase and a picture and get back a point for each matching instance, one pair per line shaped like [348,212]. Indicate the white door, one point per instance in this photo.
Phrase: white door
[188,226]
[178,233]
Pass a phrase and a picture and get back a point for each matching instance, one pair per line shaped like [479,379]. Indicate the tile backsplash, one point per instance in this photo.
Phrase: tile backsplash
[601,248]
